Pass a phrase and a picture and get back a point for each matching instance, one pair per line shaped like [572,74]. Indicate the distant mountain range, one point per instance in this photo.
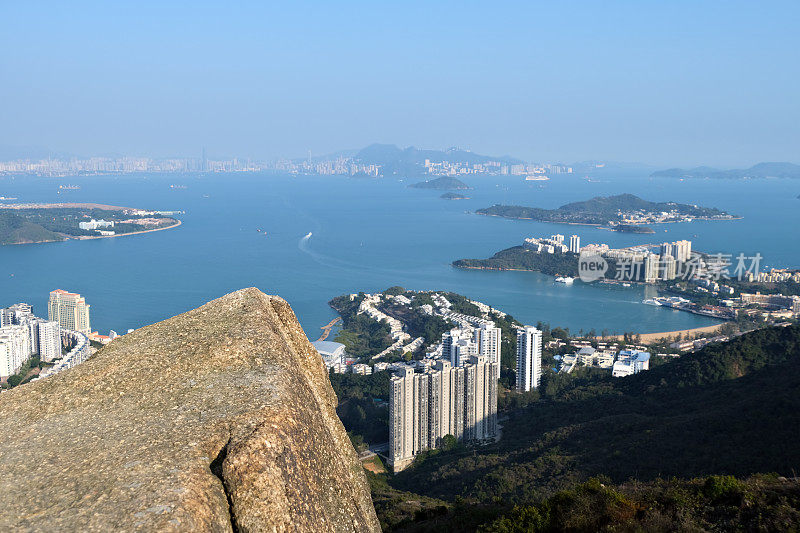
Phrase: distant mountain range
[761,170]
[410,160]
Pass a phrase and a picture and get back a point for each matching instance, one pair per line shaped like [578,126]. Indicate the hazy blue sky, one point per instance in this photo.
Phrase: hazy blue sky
[660,82]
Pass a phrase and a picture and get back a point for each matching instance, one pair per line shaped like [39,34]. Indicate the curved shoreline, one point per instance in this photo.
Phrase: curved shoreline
[651,337]
[646,337]
[90,237]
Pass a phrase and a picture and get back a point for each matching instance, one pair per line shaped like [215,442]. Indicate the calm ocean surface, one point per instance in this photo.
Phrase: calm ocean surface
[367,235]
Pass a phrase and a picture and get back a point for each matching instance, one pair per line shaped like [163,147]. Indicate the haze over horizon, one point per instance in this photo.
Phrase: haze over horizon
[668,85]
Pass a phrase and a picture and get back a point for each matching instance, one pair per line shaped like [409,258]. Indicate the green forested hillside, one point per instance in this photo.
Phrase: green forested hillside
[520,258]
[714,503]
[730,409]
[15,229]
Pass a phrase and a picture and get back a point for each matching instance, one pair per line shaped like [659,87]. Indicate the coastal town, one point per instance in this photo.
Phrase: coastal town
[468,344]
[715,285]
[441,386]
[33,348]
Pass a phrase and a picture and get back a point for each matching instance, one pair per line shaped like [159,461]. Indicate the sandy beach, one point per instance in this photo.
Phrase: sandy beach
[652,337]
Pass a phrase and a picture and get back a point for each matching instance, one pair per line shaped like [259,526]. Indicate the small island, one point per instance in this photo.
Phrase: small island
[622,209]
[454,196]
[39,223]
[632,228]
[444,183]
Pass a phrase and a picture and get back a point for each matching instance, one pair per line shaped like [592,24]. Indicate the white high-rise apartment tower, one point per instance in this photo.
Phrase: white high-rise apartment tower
[575,244]
[401,418]
[529,358]
[682,250]
[488,338]
[49,337]
[69,310]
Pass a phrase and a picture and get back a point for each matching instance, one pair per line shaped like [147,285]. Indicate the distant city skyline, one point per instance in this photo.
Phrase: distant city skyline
[675,84]
[222,162]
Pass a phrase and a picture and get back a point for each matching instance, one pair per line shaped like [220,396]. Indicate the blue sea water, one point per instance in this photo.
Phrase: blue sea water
[367,235]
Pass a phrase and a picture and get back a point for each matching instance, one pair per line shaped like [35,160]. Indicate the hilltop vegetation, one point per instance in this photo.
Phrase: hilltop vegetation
[714,503]
[599,210]
[520,258]
[729,409]
[15,229]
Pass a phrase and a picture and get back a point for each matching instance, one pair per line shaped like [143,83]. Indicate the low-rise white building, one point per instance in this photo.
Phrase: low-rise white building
[361,369]
[630,362]
[95,224]
[332,353]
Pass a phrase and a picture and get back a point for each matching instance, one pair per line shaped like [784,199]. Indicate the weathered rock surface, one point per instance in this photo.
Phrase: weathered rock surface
[218,419]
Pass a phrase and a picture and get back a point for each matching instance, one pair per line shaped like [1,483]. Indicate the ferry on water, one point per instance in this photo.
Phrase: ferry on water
[565,280]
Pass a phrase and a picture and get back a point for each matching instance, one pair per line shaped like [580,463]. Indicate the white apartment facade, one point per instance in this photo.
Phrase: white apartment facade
[444,400]
[529,358]
[70,310]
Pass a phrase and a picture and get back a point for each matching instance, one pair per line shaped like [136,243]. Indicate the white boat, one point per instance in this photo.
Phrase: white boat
[565,279]
[652,301]
[308,236]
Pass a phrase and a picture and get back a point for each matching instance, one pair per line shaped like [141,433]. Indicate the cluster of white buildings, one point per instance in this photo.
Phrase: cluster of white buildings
[775,275]
[459,344]
[443,400]
[773,301]
[501,168]
[334,166]
[453,391]
[93,224]
[621,363]
[456,391]
[554,244]
[402,340]
[127,165]
[23,334]
[649,267]
[339,166]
